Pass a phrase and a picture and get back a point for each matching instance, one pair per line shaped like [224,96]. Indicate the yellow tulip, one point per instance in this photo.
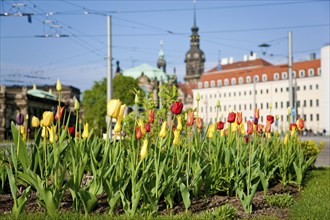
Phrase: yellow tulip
[222,132]
[113,108]
[22,129]
[176,139]
[44,132]
[76,105]
[211,131]
[85,133]
[51,134]
[117,127]
[143,128]
[47,118]
[162,132]
[35,122]
[58,85]
[286,138]
[242,127]
[293,131]
[121,112]
[179,126]
[144,149]
[233,126]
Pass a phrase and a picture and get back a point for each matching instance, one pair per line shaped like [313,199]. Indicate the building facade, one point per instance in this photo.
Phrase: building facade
[243,86]
[32,101]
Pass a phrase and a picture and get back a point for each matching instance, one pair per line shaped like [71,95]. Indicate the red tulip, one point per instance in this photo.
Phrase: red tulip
[199,123]
[293,125]
[220,125]
[255,121]
[71,130]
[300,124]
[231,117]
[268,126]
[190,118]
[177,107]
[270,118]
[246,139]
[59,112]
[151,116]
[239,118]
[260,128]
[138,132]
[147,126]
[249,127]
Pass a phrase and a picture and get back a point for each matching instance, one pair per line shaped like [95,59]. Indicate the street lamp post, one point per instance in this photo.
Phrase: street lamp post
[109,68]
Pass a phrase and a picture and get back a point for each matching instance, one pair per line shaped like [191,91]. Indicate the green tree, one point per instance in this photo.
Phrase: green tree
[94,100]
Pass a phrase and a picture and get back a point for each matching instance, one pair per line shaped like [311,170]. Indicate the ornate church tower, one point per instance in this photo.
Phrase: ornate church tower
[161,62]
[195,57]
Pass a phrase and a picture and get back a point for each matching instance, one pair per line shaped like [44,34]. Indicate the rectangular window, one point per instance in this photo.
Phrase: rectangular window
[310,87]
[201,109]
[244,106]
[281,104]
[210,108]
[250,106]
[305,103]
[317,117]
[311,117]
[304,87]
[317,86]
[267,105]
[239,107]
[317,102]
[287,104]
[311,103]
[298,103]
[281,89]
[275,90]
[266,91]
[261,91]
[261,106]
[282,118]
[275,105]
[287,89]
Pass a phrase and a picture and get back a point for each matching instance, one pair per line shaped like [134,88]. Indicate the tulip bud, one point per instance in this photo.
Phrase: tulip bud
[114,106]
[179,125]
[121,112]
[136,99]
[176,139]
[218,103]
[210,131]
[270,106]
[162,132]
[58,85]
[177,107]
[20,119]
[35,122]
[51,134]
[47,118]
[138,133]
[220,125]
[76,105]
[289,111]
[144,149]
[85,133]
[286,138]
[198,97]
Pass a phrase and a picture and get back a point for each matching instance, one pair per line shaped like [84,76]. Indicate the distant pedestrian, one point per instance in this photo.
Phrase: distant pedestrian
[324,132]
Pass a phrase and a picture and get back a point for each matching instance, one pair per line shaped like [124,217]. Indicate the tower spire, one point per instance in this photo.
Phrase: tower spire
[195,25]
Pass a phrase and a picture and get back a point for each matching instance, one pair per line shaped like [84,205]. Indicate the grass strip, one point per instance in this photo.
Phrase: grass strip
[313,202]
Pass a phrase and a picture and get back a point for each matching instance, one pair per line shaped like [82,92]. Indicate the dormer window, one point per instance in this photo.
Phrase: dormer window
[301,73]
[256,78]
[212,83]
[284,75]
[200,85]
[206,84]
[240,80]
[219,82]
[264,77]
[276,76]
[226,82]
[310,72]
[233,81]
[248,79]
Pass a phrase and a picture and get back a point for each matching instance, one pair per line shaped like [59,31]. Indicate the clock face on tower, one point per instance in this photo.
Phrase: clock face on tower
[196,55]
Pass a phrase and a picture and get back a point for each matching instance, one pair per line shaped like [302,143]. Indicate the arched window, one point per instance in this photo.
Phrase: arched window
[301,73]
[219,82]
[256,78]
[233,81]
[311,72]
[206,84]
[240,80]
[212,83]
[276,76]
[248,79]
[264,77]
[226,82]
[284,75]
[319,71]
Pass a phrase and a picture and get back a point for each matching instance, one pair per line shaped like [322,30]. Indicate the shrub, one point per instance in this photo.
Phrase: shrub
[281,200]
[311,148]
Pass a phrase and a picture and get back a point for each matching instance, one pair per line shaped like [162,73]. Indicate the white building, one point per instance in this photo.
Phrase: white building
[240,86]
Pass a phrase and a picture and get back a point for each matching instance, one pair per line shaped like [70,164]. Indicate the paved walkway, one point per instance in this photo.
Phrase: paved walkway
[323,160]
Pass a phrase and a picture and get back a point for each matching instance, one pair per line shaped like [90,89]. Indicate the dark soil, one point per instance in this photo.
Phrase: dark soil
[260,206]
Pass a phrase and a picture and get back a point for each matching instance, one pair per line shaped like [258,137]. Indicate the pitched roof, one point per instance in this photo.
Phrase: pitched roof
[242,64]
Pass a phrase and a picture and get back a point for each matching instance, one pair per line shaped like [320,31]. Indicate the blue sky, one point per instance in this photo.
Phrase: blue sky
[226,28]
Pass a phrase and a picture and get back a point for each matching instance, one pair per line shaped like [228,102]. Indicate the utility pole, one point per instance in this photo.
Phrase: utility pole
[109,72]
[291,103]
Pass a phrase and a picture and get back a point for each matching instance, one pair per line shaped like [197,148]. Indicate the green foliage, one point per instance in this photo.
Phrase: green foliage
[311,148]
[314,200]
[95,99]
[281,200]
[226,211]
[95,110]
[123,87]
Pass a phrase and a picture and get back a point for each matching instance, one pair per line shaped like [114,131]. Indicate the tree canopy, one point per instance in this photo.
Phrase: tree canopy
[94,100]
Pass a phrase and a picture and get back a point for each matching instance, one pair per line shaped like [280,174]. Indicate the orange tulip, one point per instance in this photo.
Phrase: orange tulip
[190,118]
[249,127]
[300,124]
[239,118]
[199,123]
[257,113]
